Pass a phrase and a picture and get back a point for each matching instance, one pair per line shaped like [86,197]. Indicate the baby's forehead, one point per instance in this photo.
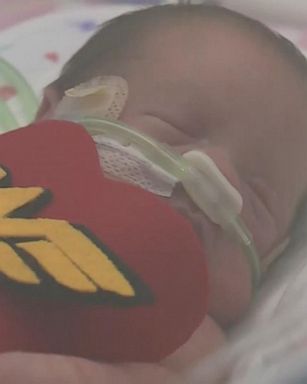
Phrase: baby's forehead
[198,67]
[209,59]
[182,47]
[197,48]
[213,75]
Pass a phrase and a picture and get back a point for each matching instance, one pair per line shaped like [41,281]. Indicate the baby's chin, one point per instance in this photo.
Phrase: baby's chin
[229,272]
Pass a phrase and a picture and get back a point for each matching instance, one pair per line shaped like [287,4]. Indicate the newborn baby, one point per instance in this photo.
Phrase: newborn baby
[208,79]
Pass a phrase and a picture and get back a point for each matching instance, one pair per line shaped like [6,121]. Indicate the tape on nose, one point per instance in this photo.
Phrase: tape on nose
[101,97]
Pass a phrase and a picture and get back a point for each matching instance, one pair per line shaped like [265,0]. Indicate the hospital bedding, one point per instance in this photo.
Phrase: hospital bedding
[270,346]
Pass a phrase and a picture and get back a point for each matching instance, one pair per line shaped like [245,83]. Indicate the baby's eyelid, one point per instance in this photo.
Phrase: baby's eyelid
[199,144]
[159,129]
[186,129]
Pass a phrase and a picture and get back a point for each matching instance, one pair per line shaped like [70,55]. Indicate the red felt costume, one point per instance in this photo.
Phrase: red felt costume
[149,245]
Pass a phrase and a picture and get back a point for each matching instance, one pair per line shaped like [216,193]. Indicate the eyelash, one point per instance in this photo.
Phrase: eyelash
[170,127]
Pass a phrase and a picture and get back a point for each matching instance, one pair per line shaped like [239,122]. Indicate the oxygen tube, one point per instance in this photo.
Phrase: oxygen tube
[25,98]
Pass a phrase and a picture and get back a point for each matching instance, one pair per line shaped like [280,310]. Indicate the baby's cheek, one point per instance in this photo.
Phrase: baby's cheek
[229,271]
[230,288]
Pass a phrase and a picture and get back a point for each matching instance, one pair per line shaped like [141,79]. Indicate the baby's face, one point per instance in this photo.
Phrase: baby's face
[223,93]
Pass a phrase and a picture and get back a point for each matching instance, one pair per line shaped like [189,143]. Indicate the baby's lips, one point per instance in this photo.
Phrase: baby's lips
[144,244]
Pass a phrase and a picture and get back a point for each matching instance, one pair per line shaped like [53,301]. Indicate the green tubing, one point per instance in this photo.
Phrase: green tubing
[156,152]
[7,118]
[247,243]
[25,96]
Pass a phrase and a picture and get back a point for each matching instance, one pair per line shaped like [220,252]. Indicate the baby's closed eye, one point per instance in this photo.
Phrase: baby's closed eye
[159,129]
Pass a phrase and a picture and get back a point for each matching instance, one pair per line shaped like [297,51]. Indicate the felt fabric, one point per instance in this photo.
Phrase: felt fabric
[116,275]
[14,198]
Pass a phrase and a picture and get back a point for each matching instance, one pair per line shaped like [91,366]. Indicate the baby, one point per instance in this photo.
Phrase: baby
[208,79]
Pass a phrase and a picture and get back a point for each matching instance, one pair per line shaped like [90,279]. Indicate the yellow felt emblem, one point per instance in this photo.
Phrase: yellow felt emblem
[14,267]
[62,251]
[13,198]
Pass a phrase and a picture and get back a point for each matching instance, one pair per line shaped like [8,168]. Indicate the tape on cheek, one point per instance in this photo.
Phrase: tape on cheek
[101,97]
[127,163]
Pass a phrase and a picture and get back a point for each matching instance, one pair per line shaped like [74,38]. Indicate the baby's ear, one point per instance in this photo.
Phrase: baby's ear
[50,99]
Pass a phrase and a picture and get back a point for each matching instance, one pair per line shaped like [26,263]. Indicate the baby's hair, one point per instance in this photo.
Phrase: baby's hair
[125,36]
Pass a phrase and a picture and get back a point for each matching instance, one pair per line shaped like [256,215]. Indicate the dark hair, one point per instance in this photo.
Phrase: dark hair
[117,38]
